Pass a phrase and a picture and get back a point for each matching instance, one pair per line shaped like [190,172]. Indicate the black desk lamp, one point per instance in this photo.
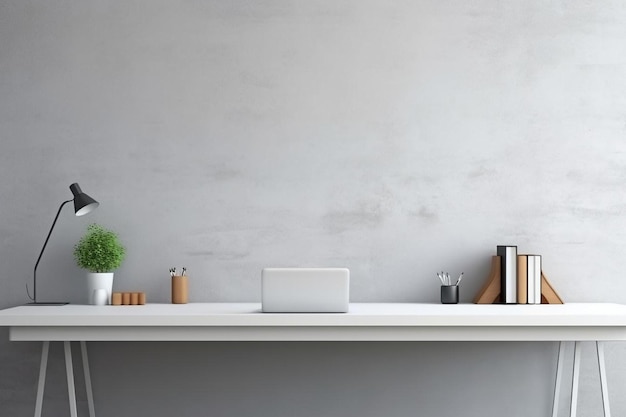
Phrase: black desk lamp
[83,204]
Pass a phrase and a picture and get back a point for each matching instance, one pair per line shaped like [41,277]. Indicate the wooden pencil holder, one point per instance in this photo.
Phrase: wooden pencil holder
[180,289]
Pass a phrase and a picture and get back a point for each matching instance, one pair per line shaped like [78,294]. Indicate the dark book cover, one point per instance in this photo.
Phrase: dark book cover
[508,274]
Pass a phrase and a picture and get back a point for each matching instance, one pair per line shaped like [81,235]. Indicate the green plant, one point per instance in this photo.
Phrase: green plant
[99,250]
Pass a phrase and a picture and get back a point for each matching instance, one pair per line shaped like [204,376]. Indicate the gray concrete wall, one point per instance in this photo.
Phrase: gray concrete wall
[397,138]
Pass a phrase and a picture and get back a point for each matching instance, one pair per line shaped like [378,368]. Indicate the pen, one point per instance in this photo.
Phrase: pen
[458,281]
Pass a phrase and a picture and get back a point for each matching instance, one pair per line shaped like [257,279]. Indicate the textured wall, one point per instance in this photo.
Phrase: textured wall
[396,138]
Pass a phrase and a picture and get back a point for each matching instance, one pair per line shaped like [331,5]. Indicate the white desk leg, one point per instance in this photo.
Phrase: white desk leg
[69,369]
[603,383]
[557,382]
[575,379]
[43,365]
[92,409]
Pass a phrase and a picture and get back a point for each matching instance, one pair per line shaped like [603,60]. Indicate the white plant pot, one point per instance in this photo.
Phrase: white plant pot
[97,281]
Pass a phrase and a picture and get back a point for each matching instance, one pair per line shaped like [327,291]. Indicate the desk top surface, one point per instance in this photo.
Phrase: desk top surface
[359,314]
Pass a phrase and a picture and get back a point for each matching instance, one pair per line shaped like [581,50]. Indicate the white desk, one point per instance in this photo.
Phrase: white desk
[364,322]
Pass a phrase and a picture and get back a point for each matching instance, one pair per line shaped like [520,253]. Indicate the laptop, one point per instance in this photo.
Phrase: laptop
[305,290]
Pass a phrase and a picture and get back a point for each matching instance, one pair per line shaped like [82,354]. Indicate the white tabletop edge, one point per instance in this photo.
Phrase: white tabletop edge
[359,314]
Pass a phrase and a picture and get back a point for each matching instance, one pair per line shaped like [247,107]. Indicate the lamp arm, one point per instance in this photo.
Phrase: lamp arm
[34,297]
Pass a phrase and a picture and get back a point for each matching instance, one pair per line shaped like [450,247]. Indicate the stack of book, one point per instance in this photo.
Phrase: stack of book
[516,279]
[529,279]
[520,276]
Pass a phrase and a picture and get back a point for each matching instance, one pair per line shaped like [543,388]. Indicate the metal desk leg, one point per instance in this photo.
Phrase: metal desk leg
[575,379]
[43,365]
[92,409]
[557,382]
[69,369]
[603,383]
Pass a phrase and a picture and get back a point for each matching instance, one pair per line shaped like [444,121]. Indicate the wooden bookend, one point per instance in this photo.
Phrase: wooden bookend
[490,292]
[548,294]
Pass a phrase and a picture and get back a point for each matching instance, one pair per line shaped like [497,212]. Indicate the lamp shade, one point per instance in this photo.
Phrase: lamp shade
[83,204]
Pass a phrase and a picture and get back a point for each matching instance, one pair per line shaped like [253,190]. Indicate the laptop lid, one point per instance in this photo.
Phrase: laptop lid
[305,290]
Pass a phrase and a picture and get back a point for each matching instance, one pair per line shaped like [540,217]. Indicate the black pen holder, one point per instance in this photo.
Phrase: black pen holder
[449,294]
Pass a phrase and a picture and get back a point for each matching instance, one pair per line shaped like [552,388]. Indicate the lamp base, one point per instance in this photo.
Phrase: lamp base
[46,303]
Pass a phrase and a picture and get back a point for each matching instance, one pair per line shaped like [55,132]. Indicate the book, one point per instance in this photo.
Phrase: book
[534,279]
[508,274]
[531,279]
[522,279]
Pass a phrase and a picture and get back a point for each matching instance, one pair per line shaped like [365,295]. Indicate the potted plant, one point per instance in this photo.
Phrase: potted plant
[100,252]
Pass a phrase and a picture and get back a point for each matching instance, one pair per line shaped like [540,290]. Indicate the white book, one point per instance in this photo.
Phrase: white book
[537,279]
[534,279]
[531,279]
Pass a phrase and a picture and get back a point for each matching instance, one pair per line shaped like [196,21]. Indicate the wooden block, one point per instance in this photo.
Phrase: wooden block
[128,298]
[116,299]
[490,292]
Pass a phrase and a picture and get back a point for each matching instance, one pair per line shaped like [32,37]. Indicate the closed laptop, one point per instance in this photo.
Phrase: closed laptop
[305,290]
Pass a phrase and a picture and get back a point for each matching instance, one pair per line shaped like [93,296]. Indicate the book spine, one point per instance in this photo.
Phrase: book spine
[522,279]
[537,279]
[508,291]
[531,279]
